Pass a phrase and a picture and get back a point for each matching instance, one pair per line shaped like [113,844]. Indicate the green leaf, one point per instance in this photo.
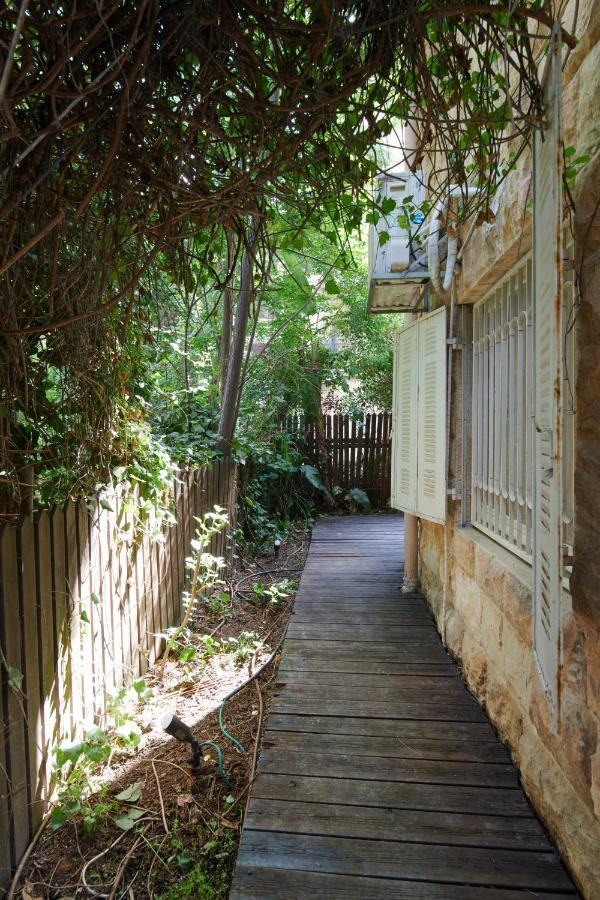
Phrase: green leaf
[89,823]
[15,679]
[359,496]
[295,269]
[106,505]
[383,238]
[185,860]
[388,205]
[128,819]
[95,599]
[58,817]
[96,753]
[331,286]
[128,506]
[131,794]
[84,616]
[129,733]
[68,752]
[313,476]
[143,692]
[97,734]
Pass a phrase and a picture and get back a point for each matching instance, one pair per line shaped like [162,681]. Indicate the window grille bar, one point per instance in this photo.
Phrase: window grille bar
[503,438]
[502,383]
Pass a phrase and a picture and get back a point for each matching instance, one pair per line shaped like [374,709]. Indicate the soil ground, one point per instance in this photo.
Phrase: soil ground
[184,843]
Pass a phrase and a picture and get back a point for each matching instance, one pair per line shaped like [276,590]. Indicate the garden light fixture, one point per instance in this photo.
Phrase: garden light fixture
[174,726]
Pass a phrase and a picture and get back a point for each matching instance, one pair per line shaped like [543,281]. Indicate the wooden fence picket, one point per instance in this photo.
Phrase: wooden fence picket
[48,685]
[84,595]
[358,453]
[15,735]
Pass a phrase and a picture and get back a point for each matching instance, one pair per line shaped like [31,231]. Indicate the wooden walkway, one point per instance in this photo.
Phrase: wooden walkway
[380,776]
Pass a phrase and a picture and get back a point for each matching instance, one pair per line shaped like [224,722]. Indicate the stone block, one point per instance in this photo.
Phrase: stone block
[466,597]
[463,550]
[455,633]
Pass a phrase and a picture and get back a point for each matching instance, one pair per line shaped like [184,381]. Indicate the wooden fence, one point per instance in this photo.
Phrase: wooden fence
[358,452]
[84,593]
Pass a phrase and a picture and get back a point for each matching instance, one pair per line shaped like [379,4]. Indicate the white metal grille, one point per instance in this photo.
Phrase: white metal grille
[502,400]
[502,424]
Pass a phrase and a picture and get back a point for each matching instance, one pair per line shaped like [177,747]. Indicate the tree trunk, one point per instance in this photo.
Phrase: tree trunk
[227,313]
[229,402]
[323,461]
[186,365]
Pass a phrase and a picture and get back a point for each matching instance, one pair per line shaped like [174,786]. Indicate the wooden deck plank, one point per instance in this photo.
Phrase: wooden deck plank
[387,747]
[418,648]
[263,883]
[393,795]
[389,600]
[425,684]
[373,768]
[526,869]
[399,729]
[359,606]
[386,634]
[452,692]
[379,775]
[295,662]
[335,617]
[411,825]
[368,708]
[362,610]
[356,594]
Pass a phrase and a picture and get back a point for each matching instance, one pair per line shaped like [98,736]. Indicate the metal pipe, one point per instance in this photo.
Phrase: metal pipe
[410,582]
[450,343]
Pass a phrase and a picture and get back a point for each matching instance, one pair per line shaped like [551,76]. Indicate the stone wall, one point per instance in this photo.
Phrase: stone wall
[480,593]
[487,627]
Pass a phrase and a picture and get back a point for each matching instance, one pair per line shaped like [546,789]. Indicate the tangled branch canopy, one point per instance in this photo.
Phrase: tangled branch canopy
[128,128]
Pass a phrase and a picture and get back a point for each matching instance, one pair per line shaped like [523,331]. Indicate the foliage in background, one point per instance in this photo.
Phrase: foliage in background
[128,129]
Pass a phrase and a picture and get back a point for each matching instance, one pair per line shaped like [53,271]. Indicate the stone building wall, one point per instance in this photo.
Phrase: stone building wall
[480,593]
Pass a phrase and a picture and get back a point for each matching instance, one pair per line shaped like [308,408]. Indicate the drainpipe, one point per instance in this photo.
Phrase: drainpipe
[410,583]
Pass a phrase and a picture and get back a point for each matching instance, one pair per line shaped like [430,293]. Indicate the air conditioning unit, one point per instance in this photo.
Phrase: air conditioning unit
[396,265]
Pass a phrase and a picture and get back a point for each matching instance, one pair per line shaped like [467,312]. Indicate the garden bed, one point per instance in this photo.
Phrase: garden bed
[154,827]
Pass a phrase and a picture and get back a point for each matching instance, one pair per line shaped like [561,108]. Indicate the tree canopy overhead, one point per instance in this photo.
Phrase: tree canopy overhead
[134,134]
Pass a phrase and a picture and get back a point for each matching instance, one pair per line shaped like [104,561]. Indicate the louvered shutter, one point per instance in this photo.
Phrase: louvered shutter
[431,425]
[404,437]
[547,280]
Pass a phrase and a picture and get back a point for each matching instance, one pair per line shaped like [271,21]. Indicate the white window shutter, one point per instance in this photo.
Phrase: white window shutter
[404,437]
[431,425]
[547,281]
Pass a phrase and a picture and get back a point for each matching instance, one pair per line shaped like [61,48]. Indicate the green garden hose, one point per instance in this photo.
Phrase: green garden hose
[230,737]
[244,684]
[219,753]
